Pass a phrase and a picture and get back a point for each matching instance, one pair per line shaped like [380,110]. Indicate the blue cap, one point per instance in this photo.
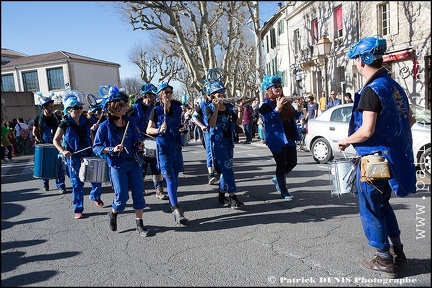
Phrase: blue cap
[367,48]
[270,80]
[214,86]
[148,88]
[163,86]
[72,98]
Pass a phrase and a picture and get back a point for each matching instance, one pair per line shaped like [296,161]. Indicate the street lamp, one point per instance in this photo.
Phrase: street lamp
[323,49]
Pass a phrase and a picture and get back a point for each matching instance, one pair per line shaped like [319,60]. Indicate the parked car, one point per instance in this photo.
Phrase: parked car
[327,129]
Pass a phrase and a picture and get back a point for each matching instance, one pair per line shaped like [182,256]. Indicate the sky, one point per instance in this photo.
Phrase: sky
[86,28]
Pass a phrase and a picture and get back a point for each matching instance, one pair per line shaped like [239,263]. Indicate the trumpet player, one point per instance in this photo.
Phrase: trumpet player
[222,121]
[281,133]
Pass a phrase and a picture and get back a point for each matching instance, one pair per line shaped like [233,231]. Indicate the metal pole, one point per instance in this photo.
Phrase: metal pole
[326,80]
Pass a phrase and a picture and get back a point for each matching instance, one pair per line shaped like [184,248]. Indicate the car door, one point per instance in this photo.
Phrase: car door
[338,128]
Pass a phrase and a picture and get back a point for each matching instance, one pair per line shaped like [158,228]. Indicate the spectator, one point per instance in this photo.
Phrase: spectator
[312,108]
[334,101]
[22,136]
[247,122]
[348,98]
[5,144]
[322,102]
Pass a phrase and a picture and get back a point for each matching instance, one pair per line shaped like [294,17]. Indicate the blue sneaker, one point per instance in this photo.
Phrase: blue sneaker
[288,196]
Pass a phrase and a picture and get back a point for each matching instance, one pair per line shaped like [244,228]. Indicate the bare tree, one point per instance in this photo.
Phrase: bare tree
[131,85]
[196,36]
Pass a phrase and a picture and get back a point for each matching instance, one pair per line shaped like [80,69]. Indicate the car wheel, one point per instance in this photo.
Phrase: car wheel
[321,151]
[425,162]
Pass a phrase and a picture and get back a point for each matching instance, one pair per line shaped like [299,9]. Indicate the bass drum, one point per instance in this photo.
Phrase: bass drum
[46,161]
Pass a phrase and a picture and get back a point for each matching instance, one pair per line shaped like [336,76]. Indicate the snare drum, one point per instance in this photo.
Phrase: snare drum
[343,174]
[94,170]
[150,148]
[46,161]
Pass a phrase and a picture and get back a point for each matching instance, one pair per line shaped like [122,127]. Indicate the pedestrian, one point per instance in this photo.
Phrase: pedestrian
[116,137]
[73,139]
[279,118]
[140,112]
[22,136]
[312,108]
[348,98]
[165,123]
[247,122]
[11,138]
[222,121]
[199,117]
[5,144]
[44,127]
[322,102]
[381,124]
[334,101]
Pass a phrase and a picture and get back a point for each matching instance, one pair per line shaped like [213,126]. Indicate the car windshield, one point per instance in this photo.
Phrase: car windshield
[421,114]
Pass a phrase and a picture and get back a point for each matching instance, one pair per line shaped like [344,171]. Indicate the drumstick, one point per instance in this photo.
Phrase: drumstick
[81,150]
[149,136]
[124,135]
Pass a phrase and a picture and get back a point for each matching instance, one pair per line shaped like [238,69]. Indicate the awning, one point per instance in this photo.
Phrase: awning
[398,55]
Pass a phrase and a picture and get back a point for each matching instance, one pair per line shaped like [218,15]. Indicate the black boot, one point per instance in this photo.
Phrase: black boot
[222,199]
[235,203]
[399,255]
[112,220]
[140,228]
[178,215]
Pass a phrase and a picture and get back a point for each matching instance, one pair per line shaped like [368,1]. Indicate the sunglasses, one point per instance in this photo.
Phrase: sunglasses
[77,108]
[168,92]
[276,86]
[121,105]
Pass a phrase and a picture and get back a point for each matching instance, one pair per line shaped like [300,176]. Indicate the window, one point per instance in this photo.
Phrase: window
[8,84]
[384,19]
[273,38]
[55,79]
[296,41]
[267,44]
[338,22]
[30,81]
[314,31]
[281,27]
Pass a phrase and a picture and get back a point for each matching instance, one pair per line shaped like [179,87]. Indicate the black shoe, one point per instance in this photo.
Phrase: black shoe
[140,228]
[178,215]
[235,203]
[399,255]
[222,199]
[62,190]
[46,187]
[212,179]
[112,220]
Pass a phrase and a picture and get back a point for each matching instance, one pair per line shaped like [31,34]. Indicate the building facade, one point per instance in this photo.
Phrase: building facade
[52,72]
[291,36]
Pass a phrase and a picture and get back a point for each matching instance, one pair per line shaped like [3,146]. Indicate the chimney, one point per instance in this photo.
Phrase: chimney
[279,5]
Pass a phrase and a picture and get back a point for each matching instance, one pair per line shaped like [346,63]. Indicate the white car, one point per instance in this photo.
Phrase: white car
[327,129]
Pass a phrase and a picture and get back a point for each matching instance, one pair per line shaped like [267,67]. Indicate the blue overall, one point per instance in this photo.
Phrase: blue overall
[141,118]
[206,134]
[75,142]
[125,172]
[223,148]
[46,136]
[169,149]
[392,138]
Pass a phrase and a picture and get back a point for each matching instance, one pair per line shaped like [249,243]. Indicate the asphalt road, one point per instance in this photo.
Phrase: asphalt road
[315,240]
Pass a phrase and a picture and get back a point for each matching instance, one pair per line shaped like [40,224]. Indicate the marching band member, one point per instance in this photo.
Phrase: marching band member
[281,133]
[141,110]
[222,121]
[73,139]
[116,137]
[165,123]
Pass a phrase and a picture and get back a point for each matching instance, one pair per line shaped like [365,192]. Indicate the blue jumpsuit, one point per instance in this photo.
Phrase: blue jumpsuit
[392,138]
[125,172]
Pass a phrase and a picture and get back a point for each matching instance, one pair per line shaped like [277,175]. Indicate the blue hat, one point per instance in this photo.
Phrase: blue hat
[368,49]
[111,93]
[163,86]
[72,98]
[213,86]
[148,88]
[270,80]
[42,100]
